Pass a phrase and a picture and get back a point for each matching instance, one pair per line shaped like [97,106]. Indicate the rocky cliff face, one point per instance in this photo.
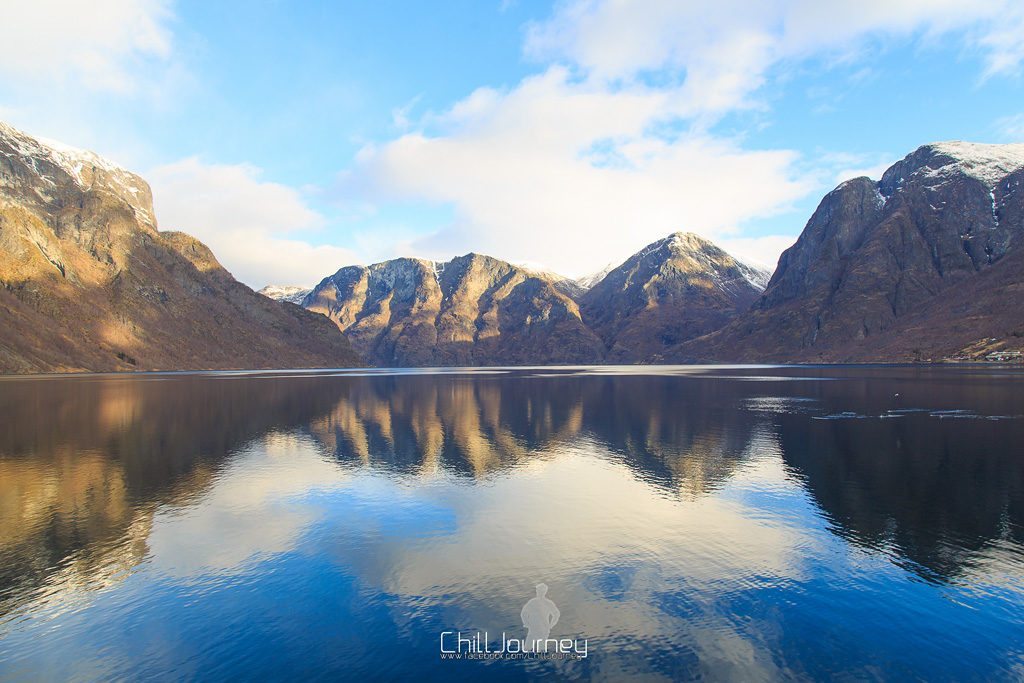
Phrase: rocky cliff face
[924,264]
[472,310]
[87,282]
[673,290]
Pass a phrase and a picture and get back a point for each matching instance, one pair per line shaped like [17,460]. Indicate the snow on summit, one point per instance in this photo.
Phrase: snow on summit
[986,162]
[87,169]
[71,159]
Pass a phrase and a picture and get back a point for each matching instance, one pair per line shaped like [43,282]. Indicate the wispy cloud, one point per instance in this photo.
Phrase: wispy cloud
[837,167]
[401,117]
[1011,128]
[727,48]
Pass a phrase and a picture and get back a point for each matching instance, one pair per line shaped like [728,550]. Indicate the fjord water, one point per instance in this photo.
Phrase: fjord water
[740,523]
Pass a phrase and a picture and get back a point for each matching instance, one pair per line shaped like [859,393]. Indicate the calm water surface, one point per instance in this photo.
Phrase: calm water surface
[718,523]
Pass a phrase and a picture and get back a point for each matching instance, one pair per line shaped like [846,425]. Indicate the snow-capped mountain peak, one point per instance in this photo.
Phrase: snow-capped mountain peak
[87,170]
[588,281]
[988,163]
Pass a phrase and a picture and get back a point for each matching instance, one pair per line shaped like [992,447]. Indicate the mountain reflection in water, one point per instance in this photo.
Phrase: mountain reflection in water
[691,522]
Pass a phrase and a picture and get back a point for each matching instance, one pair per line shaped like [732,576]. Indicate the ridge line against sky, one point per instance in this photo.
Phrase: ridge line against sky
[296,140]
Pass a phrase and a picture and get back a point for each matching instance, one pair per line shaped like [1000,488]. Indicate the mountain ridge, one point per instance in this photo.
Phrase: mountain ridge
[409,311]
[925,263]
[473,309]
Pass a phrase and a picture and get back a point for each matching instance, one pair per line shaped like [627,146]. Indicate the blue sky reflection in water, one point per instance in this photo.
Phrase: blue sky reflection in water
[725,523]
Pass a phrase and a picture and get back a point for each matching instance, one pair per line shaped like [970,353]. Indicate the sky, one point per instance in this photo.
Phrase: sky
[298,138]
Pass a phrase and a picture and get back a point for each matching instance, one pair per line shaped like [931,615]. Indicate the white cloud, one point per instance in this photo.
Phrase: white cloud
[609,147]
[762,251]
[721,50]
[837,167]
[101,44]
[245,220]
[569,173]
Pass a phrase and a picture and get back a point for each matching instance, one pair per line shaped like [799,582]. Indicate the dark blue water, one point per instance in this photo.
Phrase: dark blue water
[716,523]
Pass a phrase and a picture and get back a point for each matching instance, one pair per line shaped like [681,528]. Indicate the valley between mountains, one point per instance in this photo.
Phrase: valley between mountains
[925,264]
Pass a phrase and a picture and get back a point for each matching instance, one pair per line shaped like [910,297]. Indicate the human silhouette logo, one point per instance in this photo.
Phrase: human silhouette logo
[539,616]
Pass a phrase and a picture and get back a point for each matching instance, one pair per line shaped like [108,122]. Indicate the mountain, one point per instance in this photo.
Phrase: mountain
[673,290]
[88,282]
[587,281]
[927,263]
[472,310]
[290,293]
[567,286]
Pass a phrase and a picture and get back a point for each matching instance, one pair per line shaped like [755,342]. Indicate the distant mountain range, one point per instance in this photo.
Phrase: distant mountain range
[472,310]
[87,282]
[925,264]
[478,310]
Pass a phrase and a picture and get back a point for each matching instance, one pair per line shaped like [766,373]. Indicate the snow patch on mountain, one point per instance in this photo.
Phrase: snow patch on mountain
[984,162]
[71,159]
[567,286]
[290,293]
[588,281]
[757,276]
[87,169]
